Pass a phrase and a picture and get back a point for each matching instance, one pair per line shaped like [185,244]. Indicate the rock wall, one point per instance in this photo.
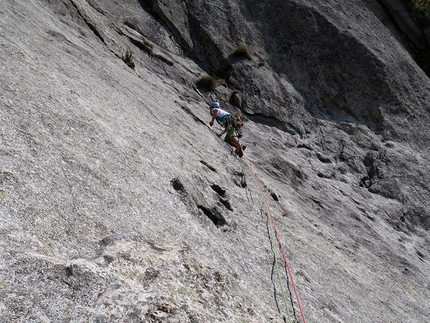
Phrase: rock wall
[400,19]
[119,203]
[321,62]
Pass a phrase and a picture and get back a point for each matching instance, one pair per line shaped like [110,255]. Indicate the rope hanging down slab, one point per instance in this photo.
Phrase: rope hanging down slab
[279,241]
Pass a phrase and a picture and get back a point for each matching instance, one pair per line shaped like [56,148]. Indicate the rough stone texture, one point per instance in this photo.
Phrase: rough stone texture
[397,10]
[414,36]
[118,203]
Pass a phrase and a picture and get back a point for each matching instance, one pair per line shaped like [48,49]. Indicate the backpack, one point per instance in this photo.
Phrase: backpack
[228,122]
[234,121]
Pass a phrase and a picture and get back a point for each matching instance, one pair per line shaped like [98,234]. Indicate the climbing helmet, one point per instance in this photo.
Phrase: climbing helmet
[214,105]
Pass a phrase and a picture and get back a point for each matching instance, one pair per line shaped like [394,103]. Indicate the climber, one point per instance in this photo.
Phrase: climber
[232,126]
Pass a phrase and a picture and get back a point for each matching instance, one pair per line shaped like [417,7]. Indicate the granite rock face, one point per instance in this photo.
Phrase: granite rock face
[118,202]
[407,25]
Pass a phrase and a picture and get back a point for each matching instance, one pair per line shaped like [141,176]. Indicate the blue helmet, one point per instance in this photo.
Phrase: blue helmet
[214,105]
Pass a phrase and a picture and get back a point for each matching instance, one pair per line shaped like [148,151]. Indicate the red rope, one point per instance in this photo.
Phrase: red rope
[280,243]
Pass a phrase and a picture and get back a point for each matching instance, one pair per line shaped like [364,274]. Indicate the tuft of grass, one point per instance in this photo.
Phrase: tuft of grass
[128,58]
[286,214]
[130,274]
[198,267]
[149,260]
[208,82]
[242,52]
[183,291]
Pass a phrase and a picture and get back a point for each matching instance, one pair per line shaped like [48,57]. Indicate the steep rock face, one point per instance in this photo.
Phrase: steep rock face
[119,204]
[324,63]
[400,19]
[329,43]
[398,11]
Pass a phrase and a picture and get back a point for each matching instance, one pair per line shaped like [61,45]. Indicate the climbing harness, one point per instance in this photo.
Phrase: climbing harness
[281,247]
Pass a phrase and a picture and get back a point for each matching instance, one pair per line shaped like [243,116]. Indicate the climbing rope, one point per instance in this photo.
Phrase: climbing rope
[275,257]
[280,244]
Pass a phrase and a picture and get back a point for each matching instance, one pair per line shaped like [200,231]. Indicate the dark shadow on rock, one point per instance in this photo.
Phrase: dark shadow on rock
[214,215]
[274,122]
[109,240]
[208,166]
[226,203]
[274,197]
[147,7]
[177,185]
[218,189]
[240,179]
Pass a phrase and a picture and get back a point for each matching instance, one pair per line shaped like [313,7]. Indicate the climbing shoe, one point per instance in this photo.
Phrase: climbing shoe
[239,151]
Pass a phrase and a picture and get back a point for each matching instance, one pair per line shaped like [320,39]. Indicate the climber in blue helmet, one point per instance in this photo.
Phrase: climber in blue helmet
[232,126]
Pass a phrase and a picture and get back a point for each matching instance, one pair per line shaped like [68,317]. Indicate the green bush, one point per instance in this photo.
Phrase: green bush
[207,82]
[242,52]
[128,58]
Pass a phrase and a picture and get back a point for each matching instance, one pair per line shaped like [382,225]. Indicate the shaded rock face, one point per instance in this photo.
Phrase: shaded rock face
[119,203]
[332,47]
[407,25]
